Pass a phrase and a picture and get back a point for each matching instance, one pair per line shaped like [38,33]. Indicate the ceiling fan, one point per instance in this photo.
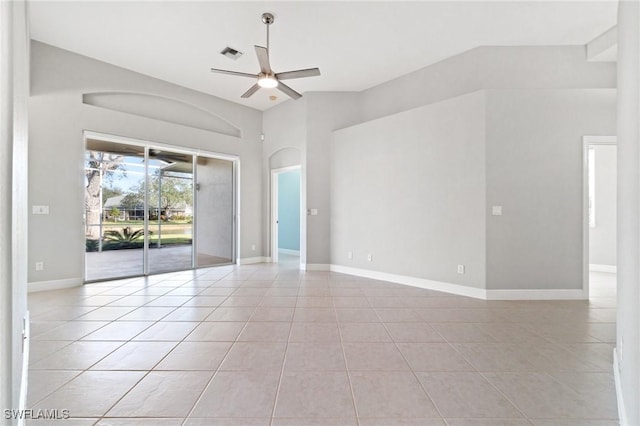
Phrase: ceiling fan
[266,77]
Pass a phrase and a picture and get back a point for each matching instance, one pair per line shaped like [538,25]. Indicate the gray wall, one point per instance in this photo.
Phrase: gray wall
[326,112]
[532,81]
[534,170]
[285,132]
[488,67]
[533,167]
[58,118]
[409,189]
[602,238]
[306,125]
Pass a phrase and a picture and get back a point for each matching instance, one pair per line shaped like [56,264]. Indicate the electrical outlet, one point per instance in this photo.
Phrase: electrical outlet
[461,269]
[369,257]
[39,266]
[350,255]
[253,247]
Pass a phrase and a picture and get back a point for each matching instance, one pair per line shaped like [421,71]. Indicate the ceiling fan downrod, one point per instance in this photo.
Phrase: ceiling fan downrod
[267,19]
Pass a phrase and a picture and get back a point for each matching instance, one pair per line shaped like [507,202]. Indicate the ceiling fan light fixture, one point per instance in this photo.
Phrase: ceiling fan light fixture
[267,78]
[267,81]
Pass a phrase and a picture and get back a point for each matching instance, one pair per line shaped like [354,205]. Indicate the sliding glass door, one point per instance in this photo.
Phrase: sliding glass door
[150,210]
[170,183]
[114,210]
[214,212]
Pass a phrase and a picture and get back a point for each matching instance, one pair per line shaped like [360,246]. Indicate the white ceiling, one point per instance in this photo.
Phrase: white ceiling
[356,45]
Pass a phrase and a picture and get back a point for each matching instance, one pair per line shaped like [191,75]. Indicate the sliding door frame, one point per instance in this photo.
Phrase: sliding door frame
[195,153]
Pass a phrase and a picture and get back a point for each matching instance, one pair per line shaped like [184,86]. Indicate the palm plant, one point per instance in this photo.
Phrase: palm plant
[125,238]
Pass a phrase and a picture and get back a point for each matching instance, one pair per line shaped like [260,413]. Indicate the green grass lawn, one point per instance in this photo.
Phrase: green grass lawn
[170,239]
[167,240]
[141,222]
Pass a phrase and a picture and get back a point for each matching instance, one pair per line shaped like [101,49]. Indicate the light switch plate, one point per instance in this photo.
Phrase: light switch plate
[313,212]
[40,209]
[496,210]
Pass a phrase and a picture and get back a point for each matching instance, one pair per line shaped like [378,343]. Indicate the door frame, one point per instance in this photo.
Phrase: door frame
[587,142]
[274,208]
[195,152]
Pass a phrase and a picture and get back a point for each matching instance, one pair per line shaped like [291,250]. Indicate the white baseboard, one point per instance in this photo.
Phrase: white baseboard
[461,290]
[289,251]
[253,260]
[536,294]
[622,413]
[594,267]
[315,267]
[53,284]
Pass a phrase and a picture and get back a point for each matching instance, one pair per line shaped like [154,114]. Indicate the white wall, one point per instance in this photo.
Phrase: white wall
[58,118]
[409,189]
[628,321]
[14,94]
[534,171]
[602,237]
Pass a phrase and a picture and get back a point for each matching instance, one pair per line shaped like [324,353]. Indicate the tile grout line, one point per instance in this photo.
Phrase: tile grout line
[146,374]
[410,367]
[217,370]
[130,341]
[346,366]
[284,361]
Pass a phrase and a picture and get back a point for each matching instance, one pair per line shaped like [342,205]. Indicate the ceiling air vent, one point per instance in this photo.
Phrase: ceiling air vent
[231,53]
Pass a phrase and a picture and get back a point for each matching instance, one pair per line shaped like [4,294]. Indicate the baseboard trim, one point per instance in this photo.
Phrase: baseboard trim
[315,267]
[253,260]
[460,290]
[536,294]
[594,267]
[622,413]
[289,251]
[53,284]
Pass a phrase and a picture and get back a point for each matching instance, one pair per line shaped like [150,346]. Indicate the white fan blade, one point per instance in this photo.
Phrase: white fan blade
[288,75]
[263,59]
[239,74]
[288,90]
[253,89]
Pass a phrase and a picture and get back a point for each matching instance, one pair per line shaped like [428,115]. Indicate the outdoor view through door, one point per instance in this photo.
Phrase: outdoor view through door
[151,210]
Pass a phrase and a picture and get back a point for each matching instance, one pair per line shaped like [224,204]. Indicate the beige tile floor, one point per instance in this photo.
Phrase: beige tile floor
[266,345]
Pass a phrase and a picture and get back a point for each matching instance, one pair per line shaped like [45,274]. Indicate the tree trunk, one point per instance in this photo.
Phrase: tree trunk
[92,204]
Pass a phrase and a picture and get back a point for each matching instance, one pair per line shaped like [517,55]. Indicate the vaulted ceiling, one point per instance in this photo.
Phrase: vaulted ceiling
[356,45]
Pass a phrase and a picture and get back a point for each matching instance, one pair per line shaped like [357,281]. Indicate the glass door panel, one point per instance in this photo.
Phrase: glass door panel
[170,203]
[214,212]
[114,210]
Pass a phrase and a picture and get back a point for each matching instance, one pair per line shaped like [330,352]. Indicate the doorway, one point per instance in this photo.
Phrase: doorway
[600,210]
[286,215]
[151,209]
